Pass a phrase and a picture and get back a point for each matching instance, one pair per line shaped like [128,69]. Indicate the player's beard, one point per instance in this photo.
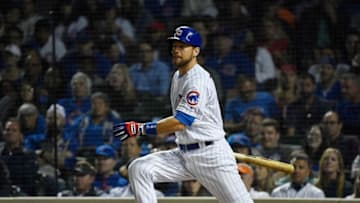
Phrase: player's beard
[181,62]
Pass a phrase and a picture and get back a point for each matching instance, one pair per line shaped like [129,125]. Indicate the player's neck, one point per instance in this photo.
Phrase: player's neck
[184,69]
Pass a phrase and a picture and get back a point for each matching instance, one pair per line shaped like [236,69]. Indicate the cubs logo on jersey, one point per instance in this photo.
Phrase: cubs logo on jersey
[192,98]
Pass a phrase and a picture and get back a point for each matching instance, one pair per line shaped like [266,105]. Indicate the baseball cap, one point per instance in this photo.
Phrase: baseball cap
[106,151]
[239,139]
[245,169]
[83,168]
[187,35]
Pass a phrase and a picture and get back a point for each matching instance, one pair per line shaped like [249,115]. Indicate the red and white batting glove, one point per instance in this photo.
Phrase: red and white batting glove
[128,129]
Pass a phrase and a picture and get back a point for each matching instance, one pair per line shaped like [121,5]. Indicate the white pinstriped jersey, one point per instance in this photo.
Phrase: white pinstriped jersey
[195,94]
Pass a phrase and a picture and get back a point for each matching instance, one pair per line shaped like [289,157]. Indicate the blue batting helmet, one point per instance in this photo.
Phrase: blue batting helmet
[188,35]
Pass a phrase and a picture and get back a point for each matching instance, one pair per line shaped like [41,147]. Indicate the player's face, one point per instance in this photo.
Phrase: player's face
[183,54]
[302,171]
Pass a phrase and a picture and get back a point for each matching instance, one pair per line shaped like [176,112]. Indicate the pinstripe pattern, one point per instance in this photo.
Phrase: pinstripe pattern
[214,165]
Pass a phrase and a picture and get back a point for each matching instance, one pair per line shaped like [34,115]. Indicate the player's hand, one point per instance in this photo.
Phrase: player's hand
[127,129]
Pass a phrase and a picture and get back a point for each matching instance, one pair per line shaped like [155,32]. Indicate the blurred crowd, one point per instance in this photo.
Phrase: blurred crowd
[287,75]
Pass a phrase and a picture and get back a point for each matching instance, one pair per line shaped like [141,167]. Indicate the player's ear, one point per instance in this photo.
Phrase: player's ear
[196,51]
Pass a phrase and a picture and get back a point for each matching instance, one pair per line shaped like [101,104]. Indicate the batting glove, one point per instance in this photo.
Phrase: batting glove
[128,129]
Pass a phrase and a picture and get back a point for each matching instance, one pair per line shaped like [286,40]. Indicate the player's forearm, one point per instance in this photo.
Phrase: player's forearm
[169,125]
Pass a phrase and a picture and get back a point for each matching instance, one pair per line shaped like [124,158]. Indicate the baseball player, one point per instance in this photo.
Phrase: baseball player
[202,153]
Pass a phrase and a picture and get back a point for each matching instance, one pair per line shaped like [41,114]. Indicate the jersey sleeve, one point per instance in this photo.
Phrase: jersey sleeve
[192,101]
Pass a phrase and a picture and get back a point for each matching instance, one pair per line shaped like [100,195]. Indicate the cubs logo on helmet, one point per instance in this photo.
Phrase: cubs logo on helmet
[187,35]
[192,98]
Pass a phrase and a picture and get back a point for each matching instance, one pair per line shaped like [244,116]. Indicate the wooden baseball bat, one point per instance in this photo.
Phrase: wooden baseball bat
[276,165]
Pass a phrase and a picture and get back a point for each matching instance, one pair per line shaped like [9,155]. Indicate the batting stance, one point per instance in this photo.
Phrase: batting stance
[202,153]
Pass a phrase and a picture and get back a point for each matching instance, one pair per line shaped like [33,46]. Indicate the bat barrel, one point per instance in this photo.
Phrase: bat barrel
[273,164]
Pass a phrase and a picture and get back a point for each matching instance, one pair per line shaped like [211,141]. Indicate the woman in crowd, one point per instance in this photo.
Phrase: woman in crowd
[331,175]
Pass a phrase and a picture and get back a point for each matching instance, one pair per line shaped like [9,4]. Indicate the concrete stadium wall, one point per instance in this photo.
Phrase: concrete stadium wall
[162,200]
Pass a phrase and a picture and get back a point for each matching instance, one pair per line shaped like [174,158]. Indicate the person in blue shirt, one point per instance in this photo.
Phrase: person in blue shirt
[150,76]
[329,86]
[228,62]
[33,125]
[349,108]
[249,98]
[95,127]
[105,161]
[151,80]
[79,102]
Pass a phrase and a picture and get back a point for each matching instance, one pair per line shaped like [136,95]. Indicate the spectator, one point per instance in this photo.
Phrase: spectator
[299,187]
[349,50]
[42,40]
[33,125]
[84,48]
[322,24]
[240,143]
[67,145]
[275,39]
[152,82]
[287,91]
[249,98]
[12,70]
[356,193]
[314,146]
[34,71]
[247,175]
[69,22]
[249,125]
[107,178]
[79,102]
[22,164]
[270,146]
[349,108]
[87,65]
[54,86]
[228,63]
[348,145]
[84,175]
[329,87]
[111,50]
[265,69]
[156,33]
[332,176]
[95,127]
[120,88]
[263,180]
[29,18]
[307,110]
[115,25]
